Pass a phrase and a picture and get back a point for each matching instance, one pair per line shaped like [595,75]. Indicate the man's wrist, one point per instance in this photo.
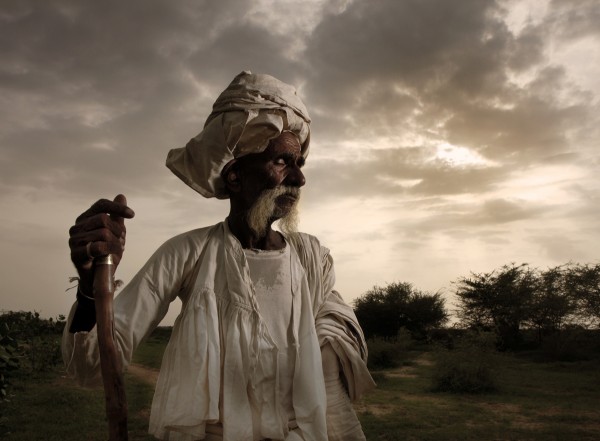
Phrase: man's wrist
[81,295]
[84,318]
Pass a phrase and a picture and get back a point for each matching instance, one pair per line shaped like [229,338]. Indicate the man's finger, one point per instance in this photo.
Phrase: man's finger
[87,252]
[97,235]
[96,222]
[108,207]
[121,200]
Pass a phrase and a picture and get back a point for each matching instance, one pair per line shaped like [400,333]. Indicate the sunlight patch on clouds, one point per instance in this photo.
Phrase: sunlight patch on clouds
[580,57]
[190,108]
[275,16]
[344,150]
[581,60]
[549,183]
[397,140]
[103,145]
[403,183]
[521,78]
[459,156]
[95,115]
[497,103]
[523,13]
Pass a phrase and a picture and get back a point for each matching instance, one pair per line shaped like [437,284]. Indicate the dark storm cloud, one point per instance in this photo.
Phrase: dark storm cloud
[249,47]
[97,93]
[94,89]
[380,39]
[447,70]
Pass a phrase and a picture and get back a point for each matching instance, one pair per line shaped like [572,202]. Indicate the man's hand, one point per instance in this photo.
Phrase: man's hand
[98,231]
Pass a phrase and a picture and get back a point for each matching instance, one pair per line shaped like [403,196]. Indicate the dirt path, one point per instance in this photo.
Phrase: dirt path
[143,373]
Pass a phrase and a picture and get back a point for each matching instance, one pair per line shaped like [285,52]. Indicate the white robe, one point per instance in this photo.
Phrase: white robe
[220,365]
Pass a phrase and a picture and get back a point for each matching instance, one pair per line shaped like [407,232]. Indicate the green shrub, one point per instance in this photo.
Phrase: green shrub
[37,340]
[386,353]
[468,367]
[382,354]
[9,358]
[567,345]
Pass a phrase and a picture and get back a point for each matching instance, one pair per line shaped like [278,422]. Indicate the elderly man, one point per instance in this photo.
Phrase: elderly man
[264,347]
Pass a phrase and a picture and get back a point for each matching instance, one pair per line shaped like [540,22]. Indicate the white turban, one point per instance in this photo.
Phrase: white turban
[254,109]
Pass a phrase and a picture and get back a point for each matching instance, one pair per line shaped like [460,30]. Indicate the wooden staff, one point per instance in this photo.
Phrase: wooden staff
[110,360]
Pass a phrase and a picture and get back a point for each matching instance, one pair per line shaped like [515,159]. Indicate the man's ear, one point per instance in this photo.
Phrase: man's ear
[231,177]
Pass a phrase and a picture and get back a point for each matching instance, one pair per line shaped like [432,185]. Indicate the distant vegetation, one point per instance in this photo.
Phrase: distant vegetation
[383,312]
[521,306]
[514,301]
[28,343]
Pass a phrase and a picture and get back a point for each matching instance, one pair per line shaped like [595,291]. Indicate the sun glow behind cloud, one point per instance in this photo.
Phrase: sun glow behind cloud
[459,156]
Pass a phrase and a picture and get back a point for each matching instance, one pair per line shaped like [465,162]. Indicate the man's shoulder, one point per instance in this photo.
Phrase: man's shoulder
[197,233]
[307,244]
[193,238]
[305,239]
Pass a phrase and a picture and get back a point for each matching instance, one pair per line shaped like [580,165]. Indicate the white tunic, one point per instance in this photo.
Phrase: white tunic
[220,366]
[271,278]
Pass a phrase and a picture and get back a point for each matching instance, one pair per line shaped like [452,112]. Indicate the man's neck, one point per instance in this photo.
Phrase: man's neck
[272,240]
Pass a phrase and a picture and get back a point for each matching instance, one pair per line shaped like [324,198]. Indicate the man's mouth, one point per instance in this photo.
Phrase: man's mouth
[288,197]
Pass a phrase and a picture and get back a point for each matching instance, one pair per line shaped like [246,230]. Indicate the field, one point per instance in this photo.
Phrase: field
[532,401]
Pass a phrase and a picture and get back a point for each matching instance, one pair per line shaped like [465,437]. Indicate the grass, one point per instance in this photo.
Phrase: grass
[51,407]
[151,351]
[532,401]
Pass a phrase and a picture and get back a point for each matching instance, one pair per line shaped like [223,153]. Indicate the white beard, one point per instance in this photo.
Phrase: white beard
[264,210]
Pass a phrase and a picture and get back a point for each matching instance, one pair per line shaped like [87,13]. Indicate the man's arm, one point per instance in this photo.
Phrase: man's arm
[98,231]
[138,308]
[344,358]
[342,422]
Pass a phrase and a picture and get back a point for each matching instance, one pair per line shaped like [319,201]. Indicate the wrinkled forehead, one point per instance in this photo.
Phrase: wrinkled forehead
[287,141]
[286,144]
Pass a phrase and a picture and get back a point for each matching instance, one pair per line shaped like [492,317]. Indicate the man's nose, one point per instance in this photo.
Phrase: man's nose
[295,177]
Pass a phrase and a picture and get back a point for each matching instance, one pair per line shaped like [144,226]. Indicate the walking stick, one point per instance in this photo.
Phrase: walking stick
[110,360]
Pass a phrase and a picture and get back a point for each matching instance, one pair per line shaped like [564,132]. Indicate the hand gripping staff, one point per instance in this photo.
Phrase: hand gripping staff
[110,360]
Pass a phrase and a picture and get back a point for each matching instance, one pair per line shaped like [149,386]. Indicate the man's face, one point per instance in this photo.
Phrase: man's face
[271,181]
[278,165]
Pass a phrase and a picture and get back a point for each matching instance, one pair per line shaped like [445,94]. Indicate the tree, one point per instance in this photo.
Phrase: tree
[424,312]
[583,283]
[552,306]
[383,311]
[499,301]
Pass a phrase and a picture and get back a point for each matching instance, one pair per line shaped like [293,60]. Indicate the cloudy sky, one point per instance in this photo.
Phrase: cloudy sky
[447,136]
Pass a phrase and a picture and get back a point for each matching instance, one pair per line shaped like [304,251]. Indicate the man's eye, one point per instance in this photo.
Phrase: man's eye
[280,161]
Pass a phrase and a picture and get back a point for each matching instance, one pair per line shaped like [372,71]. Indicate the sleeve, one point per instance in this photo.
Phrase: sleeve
[138,309]
[337,325]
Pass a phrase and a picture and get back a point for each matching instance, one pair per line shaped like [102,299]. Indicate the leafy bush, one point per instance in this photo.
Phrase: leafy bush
[468,367]
[9,359]
[387,354]
[37,340]
[383,312]
[571,344]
